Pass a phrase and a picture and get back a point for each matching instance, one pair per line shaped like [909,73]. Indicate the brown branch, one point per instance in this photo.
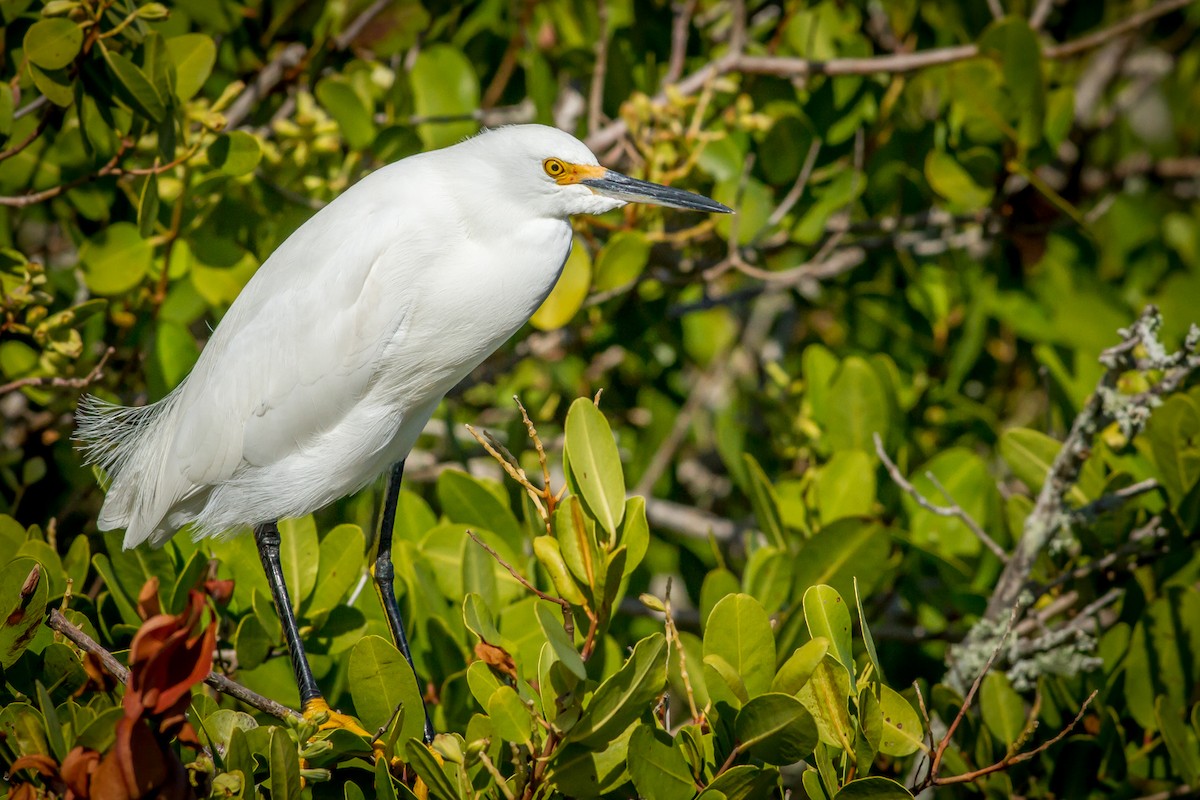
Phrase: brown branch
[893,63]
[96,374]
[679,40]
[270,76]
[595,101]
[33,135]
[568,618]
[217,681]
[1012,760]
[508,62]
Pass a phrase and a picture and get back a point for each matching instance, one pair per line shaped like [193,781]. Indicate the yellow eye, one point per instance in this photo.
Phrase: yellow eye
[554,168]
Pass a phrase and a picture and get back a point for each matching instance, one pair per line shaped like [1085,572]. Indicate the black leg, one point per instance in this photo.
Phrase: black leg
[384,573]
[266,536]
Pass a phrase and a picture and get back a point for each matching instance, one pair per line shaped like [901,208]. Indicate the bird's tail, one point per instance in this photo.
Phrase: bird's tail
[130,444]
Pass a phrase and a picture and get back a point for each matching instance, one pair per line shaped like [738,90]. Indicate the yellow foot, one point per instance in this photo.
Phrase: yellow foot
[333,719]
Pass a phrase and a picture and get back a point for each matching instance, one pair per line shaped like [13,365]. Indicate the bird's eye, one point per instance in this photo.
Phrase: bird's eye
[554,168]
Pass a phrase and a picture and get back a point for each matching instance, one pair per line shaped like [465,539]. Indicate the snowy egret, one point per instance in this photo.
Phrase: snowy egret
[336,353]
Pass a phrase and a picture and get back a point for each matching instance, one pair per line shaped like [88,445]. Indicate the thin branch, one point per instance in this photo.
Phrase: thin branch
[679,40]
[1010,761]
[1152,532]
[1040,14]
[953,510]
[267,78]
[358,24]
[599,70]
[935,764]
[996,9]
[568,619]
[1113,500]
[217,681]
[508,62]
[798,68]
[96,373]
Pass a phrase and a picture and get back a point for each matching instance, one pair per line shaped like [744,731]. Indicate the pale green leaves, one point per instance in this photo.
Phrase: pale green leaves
[444,84]
[776,728]
[739,644]
[384,688]
[53,43]
[622,698]
[116,259]
[595,464]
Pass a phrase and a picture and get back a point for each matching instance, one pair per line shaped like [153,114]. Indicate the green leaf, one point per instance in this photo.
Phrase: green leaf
[765,503]
[825,695]
[55,84]
[340,565]
[623,697]
[381,681]
[1030,455]
[846,486]
[569,292]
[24,589]
[139,92]
[193,55]
[298,554]
[444,84]
[622,260]
[949,179]
[352,114]
[6,109]
[657,765]
[776,728]
[467,501]
[1001,707]
[285,767]
[1181,740]
[579,772]
[53,43]
[1014,43]
[739,632]
[858,407]
[873,788]
[235,153]
[116,259]
[385,786]
[511,718]
[902,731]
[800,666]
[965,476]
[635,533]
[556,635]
[827,616]
[842,551]
[421,759]
[595,464]
[745,782]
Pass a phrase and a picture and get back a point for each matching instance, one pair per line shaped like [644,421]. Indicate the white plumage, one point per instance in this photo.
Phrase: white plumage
[334,356]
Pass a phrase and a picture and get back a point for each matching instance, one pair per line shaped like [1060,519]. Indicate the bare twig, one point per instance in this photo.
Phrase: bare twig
[996,9]
[96,373]
[1113,500]
[679,40]
[1040,14]
[599,69]
[568,618]
[270,76]
[217,681]
[953,510]
[359,23]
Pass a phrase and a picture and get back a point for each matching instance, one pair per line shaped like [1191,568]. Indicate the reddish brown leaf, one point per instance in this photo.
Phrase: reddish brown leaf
[219,591]
[77,769]
[43,764]
[497,658]
[147,602]
[27,590]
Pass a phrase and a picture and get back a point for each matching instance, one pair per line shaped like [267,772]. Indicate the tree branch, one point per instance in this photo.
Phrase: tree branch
[217,681]
[787,67]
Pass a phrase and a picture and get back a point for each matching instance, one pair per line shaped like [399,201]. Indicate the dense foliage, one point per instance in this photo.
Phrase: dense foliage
[895,476]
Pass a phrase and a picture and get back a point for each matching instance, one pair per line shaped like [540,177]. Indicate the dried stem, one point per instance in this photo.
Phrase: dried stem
[568,618]
[217,681]
[96,373]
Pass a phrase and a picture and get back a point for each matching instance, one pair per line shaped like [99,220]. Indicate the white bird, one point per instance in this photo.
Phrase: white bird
[334,356]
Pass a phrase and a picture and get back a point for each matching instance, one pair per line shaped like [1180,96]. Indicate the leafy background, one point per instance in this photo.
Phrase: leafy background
[946,212]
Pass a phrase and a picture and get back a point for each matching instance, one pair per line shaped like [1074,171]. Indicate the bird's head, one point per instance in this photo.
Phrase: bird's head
[557,174]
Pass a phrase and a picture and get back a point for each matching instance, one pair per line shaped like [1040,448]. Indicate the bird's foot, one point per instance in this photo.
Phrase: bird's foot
[317,708]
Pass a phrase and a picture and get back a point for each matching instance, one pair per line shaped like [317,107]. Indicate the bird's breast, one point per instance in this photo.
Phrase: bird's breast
[469,300]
